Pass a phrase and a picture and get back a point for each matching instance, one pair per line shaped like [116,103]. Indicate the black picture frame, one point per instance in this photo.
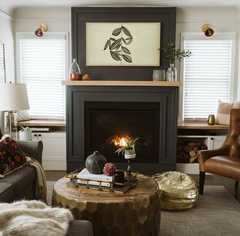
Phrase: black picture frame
[81,15]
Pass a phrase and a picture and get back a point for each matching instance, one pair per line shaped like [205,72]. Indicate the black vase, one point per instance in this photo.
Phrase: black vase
[95,163]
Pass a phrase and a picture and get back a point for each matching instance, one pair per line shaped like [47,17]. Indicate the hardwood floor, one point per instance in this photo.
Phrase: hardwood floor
[54,175]
[229,184]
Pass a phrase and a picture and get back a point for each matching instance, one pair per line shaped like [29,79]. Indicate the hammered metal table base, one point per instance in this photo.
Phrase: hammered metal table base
[135,213]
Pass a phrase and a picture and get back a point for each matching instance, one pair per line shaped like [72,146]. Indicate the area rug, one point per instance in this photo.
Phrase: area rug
[217,213]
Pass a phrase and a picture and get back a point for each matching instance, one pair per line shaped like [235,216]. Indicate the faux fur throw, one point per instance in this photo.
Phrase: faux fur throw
[28,218]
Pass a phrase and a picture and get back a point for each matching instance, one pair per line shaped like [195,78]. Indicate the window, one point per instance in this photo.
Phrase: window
[208,74]
[2,63]
[42,65]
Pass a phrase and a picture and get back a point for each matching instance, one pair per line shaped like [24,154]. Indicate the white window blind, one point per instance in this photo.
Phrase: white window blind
[2,64]
[207,76]
[42,68]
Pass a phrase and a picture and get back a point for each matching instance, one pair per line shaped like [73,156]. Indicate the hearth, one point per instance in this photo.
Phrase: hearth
[99,117]
[110,124]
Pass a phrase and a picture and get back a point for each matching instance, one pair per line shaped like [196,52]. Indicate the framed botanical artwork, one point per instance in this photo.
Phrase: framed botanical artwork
[123,44]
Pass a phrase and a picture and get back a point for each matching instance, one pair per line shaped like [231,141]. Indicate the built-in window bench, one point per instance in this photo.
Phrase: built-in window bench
[201,126]
[44,123]
[212,136]
[54,142]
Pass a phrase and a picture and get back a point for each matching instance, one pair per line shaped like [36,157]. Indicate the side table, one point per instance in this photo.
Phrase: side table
[135,213]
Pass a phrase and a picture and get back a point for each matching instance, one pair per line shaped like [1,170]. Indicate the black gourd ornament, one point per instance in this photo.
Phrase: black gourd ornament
[95,163]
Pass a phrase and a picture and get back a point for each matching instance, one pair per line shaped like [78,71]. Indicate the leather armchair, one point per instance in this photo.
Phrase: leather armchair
[224,161]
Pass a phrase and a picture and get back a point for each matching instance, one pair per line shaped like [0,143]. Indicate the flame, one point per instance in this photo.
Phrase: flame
[120,141]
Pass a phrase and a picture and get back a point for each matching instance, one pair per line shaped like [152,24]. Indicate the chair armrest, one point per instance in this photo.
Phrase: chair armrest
[203,155]
[32,148]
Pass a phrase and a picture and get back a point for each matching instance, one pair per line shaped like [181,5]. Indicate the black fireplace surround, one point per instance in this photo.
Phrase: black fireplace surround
[96,114]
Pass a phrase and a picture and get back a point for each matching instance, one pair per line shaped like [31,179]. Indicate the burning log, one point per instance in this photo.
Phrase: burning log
[118,141]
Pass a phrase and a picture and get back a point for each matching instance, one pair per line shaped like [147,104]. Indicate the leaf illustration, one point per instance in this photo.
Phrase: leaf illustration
[126,31]
[107,44]
[124,40]
[115,56]
[115,44]
[127,58]
[125,50]
[129,40]
[116,32]
[118,46]
[113,39]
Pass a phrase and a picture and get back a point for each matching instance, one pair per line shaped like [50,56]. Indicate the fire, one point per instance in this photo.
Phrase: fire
[120,141]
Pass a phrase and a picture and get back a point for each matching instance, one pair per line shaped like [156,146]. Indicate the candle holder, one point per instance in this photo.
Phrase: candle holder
[129,168]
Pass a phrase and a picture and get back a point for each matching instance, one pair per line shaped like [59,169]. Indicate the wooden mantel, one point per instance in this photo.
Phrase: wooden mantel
[121,83]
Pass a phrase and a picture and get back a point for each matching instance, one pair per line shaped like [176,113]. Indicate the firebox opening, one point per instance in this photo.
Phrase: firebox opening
[110,125]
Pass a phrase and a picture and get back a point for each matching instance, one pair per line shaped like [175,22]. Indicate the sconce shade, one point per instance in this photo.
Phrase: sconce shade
[13,97]
[207,29]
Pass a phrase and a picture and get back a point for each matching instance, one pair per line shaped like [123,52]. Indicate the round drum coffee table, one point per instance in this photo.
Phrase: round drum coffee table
[134,213]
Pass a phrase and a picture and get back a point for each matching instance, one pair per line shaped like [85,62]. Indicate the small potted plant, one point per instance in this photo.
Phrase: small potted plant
[129,150]
[25,133]
[173,53]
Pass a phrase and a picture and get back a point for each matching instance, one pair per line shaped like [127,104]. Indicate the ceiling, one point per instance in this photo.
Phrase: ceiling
[8,6]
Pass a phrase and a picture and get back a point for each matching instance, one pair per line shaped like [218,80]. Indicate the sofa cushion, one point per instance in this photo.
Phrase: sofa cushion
[6,192]
[11,157]
[80,227]
[20,179]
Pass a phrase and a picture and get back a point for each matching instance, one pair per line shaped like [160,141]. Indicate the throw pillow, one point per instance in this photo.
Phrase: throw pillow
[11,157]
[23,115]
[223,112]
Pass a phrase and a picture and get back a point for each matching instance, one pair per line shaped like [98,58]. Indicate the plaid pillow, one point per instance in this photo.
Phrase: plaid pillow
[11,156]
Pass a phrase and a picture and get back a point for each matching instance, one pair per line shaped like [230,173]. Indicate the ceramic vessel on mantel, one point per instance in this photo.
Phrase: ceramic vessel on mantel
[159,75]
[74,71]
[171,74]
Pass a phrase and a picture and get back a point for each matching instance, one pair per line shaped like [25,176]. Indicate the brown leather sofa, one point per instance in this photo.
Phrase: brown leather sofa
[224,161]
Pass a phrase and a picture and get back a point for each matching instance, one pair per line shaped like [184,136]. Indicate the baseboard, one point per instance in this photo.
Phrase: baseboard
[188,168]
[54,163]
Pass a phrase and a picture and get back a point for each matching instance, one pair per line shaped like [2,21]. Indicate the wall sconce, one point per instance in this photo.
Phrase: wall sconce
[41,28]
[208,31]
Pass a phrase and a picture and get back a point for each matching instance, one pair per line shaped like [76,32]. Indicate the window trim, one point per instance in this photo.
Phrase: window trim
[4,60]
[200,36]
[47,35]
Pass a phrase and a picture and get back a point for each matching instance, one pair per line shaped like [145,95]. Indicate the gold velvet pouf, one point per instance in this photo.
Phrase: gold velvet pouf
[178,191]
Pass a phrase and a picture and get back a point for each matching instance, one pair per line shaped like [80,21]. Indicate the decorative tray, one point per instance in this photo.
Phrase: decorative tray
[114,186]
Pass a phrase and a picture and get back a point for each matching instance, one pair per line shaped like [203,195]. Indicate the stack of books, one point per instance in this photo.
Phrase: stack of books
[85,174]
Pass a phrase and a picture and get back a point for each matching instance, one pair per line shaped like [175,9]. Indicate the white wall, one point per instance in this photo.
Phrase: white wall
[189,19]
[7,37]
[57,19]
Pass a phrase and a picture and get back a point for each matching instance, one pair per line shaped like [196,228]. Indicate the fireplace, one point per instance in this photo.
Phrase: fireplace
[100,116]
[110,124]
